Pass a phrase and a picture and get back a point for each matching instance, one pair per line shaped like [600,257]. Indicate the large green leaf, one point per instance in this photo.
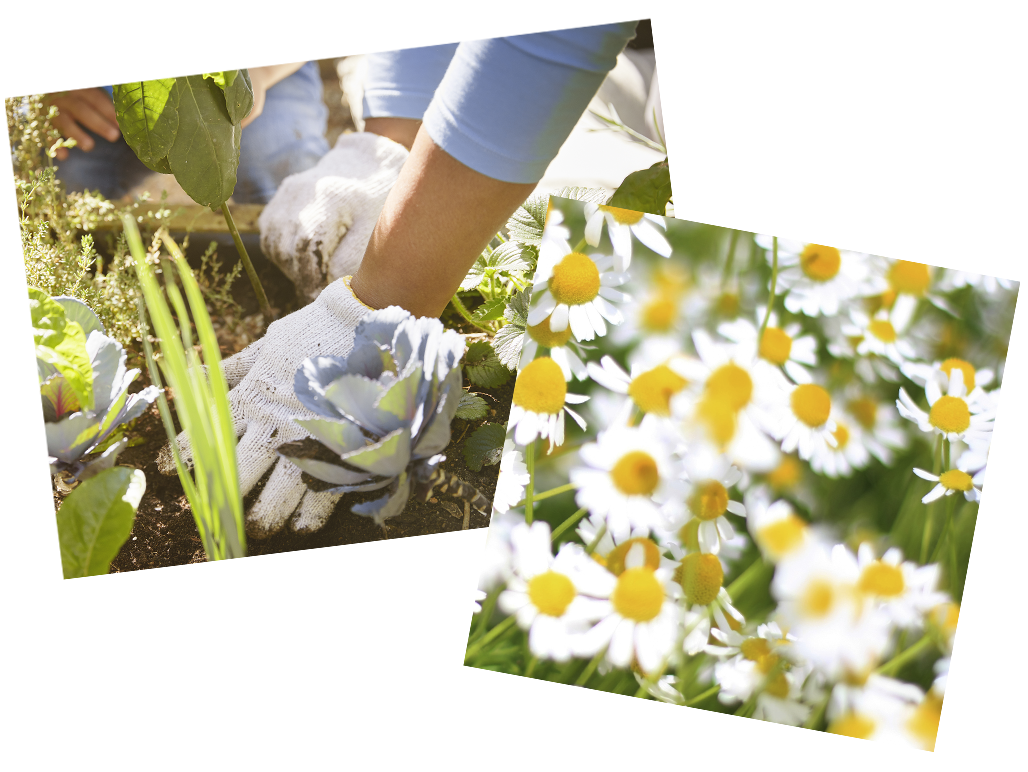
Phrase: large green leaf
[647,190]
[205,155]
[61,343]
[482,366]
[471,407]
[148,117]
[238,94]
[96,519]
[484,446]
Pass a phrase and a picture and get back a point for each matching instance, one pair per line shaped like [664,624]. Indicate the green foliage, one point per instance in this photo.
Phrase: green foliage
[482,366]
[511,337]
[484,446]
[647,190]
[471,407]
[96,518]
[61,343]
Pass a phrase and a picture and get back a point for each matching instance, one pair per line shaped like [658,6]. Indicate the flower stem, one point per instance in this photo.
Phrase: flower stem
[703,695]
[596,540]
[580,245]
[774,283]
[463,311]
[745,579]
[929,514]
[568,523]
[262,299]
[551,492]
[530,488]
[729,258]
[894,664]
[489,637]
[590,668]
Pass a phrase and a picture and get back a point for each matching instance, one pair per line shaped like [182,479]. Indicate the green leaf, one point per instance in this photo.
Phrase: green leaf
[593,195]
[96,519]
[475,274]
[61,343]
[517,308]
[490,310]
[214,42]
[513,256]
[647,190]
[484,446]
[482,366]
[509,342]
[528,221]
[148,116]
[238,95]
[471,407]
[205,155]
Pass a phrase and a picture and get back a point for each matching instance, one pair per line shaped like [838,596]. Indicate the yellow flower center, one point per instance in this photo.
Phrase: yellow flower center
[818,598]
[653,389]
[883,330]
[983,227]
[709,500]
[659,314]
[544,336]
[779,685]
[1005,452]
[956,480]
[775,346]
[602,729]
[853,725]
[635,474]
[909,278]
[638,595]
[865,410]
[732,384]
[474,714]
[727,304]
[689,534]
[783,206]
[701,577]
[811,404]
[786,475]
[670,279]
[739,743]
[755,648]
[841,434]
[966,368]
[819,262]
[882,579]
[950,414]
[615,561]
[551,593]
[924,724]
[623,216]
[718,418]
[576,280]
[946,615]
[540,387]
[783,535]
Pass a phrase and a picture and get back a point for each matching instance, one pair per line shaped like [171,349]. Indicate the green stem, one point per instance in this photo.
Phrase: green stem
[596,540]
[703,695]
[729,258]
[530,488]
[590,668]
[262,299]
[746,578]
[929,515]
[546,494]
[774,283]
[463,311]
[531,666]
[487,611]
[489,637]
[819,712]
[580,245]
[894,664]
[568,523]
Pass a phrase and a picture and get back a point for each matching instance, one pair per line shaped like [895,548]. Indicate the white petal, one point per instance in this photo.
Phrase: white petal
[559,319]
[651,237]
[541,308]
[594,229]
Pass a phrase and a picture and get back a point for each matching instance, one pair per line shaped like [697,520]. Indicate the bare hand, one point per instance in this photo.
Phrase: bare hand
[87,108]
[263,78]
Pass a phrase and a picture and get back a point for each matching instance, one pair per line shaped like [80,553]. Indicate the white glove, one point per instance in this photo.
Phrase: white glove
[264,405]
[317,225]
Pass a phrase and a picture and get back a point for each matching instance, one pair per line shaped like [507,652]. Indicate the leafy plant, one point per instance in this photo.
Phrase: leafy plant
[484,446]
[84,386]
[483,367]
[190,127]
[201,398]
[385,410]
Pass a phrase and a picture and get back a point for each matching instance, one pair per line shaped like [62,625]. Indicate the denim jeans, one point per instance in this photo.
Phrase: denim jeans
[287,137]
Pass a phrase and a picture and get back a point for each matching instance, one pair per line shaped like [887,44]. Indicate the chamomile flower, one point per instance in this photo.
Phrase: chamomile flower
[555,598]
[653,382]
[911,282]
[806,423]
[987,285]
[942,370]
[880,709]
[478,734]
[513,477]
[881,430]
[563,349]
[880,335]
[778,346]
[944,618]
[661,312]
[905,590]
[575,289]
[949,482]
[622,224]
[817,279]
[539,403]
[630,478]
[573,721]
[849,451]
[955,415]
[775,527]
[708,500]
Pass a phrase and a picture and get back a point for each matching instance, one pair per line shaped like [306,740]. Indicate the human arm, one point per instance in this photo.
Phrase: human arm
[280,46]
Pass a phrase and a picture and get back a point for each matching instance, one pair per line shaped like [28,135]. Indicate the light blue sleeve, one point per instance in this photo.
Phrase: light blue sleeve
[506,105]
[401,84]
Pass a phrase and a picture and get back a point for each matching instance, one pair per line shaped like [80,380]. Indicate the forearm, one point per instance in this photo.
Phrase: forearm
[278,47]
[437,219]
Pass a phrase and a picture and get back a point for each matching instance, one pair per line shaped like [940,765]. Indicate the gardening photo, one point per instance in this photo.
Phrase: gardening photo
[741,472]
[281,308]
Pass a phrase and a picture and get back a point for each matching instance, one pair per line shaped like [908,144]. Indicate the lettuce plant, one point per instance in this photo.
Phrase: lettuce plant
[384,411]
[83,385]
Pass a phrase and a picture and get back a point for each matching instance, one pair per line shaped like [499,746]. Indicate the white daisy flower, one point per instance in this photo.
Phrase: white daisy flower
[539,403]
[513,477]
[987,285]
[661,313]
[778,346]
[576,289]
[921,372]
[554,598]
[881,335]
[949,482]
[478,734]
[944,618]
[775,527]
[563,350]
[881,430]
[496,557]
[476,601]
[806,423]
[880,709]
[708,499]
[573,721]
[903,588]
[913,281]
[955,415]
[849,452]
[630,478]
[653,382]
[622,224]
[819,280]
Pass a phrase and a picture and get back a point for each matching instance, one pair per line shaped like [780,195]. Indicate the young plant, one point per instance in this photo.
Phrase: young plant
[84,387]
[201,399]
[190,127]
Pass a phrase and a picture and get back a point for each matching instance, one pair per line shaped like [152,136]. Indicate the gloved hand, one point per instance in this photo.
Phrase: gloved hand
[318,224]
[263,407]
